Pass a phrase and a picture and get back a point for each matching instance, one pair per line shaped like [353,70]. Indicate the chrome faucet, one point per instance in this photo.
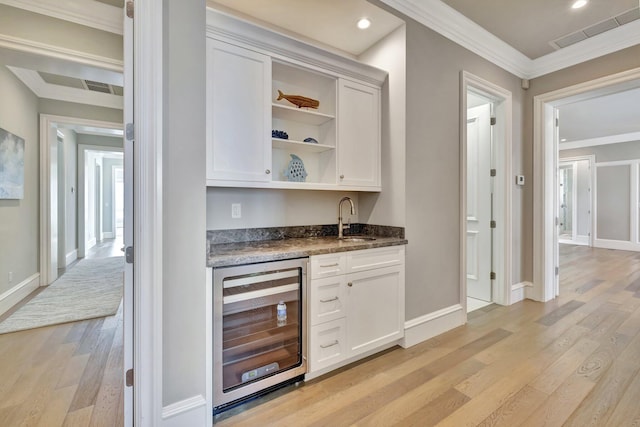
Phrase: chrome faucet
[341,226]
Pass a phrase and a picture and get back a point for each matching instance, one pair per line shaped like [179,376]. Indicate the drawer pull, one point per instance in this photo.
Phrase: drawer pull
[329,265]
[335,342]
[350,284]
[329,300]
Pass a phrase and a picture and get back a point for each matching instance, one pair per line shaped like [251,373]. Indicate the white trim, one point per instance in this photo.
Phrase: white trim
[620,245]
[519,291]
[617,163]
[70,257]
[188,412]
[545,178]
[148,66]
[579,239]
[108,234]
[56,52]
[608,42]
[91,14]
[430,325]
[208,342]
[603,140]
[453,25]
[42,89]
[503,185]
[17,293]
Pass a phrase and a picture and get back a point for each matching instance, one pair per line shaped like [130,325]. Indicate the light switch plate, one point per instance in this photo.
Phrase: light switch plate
[236,210]
[519,179]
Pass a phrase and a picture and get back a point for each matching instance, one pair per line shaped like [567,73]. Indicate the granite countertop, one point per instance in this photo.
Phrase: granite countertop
[250,245]
[228,254]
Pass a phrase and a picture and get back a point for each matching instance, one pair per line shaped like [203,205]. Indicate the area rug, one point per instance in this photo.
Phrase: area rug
[92,288]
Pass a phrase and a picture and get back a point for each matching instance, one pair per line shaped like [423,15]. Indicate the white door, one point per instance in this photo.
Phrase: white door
[128,221]
[53,205]
[479,202]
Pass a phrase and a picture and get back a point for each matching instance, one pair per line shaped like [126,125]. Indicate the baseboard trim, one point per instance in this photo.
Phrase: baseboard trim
[620,245]
[90,243]
[519,290]
[70,257]
[188,412]
[16,294]
[430,325]
[108,235]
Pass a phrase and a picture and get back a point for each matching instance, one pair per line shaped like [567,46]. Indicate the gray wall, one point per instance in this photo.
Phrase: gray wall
[183,201]
[107,141]
[433,171]
[613,202]
[19,218]
[81,111]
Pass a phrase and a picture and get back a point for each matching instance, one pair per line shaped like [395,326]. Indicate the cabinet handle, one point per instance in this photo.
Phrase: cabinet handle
[329,300]
[329,265]
[335,342]
[267,171]
[341,176]
[350,284]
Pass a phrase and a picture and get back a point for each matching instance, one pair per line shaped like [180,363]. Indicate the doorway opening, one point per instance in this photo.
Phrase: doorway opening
[575,204]
[485,193]
[547,189]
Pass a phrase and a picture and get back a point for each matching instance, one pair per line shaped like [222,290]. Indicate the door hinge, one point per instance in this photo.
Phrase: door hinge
[557,122]
[557,221]
[492,172]
[492,276]
[128,254]
[493,121]
[130,9]
[130,131]
[557,271]
[129,378]
[492,224]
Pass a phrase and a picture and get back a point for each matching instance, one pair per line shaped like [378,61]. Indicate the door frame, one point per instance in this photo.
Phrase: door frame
[47,121]
[592,170]
[502,99]
[545,179]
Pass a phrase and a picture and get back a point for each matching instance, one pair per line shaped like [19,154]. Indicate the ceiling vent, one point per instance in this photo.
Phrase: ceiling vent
[97,86]
[599,28]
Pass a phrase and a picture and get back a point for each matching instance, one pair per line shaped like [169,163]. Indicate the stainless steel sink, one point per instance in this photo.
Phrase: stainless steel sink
[356,238]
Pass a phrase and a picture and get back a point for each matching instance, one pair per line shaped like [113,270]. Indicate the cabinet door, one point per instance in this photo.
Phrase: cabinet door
[327,344]
[327,299]
[376,308]
[358,134]
[238,113]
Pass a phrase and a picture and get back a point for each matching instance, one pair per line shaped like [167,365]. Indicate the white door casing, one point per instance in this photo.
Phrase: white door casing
[479,202]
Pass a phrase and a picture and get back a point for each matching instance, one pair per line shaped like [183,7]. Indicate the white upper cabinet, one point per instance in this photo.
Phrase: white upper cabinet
[238,114]
[358,134]
[334,145]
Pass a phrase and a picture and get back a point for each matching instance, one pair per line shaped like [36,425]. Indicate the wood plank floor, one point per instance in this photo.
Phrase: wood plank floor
[64,375]
[573,361]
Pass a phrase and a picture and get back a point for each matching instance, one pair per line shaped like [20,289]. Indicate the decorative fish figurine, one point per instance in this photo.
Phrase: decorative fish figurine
[295,171]
[299,101]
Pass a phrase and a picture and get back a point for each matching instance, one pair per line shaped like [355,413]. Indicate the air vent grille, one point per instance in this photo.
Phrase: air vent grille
[97,86]
[599,28]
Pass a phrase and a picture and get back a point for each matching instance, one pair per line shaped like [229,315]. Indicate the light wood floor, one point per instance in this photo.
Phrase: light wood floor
[64,375]
[573,361]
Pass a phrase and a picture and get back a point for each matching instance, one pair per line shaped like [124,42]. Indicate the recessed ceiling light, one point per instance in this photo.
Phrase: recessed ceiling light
[578,4]
[364,23]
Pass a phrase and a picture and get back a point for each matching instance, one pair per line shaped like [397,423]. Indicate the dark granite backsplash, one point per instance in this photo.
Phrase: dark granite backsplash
[278,233]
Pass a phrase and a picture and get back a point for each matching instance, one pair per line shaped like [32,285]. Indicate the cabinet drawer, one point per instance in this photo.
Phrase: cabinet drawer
[327,344]
[327,299]
[327,265]
[375,258]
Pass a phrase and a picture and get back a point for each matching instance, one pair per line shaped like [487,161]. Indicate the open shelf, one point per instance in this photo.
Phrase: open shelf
[301,115]
[288,144]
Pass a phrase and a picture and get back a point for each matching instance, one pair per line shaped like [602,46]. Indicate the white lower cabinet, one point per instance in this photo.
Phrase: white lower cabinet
[357,310]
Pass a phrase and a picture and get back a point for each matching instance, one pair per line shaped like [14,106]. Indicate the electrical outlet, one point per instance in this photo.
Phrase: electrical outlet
[10,276]
[236,210]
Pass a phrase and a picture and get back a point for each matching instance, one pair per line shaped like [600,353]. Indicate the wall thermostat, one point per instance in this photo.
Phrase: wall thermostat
[519,179]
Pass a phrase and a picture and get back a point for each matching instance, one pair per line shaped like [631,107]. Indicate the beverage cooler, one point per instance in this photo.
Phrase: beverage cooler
[258,328]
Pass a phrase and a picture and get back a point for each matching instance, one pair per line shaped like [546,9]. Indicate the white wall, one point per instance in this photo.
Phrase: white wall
[70,191]
[274,208]
[108,226]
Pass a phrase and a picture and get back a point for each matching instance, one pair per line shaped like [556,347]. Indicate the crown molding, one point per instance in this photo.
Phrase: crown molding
[604,140]
[42,89]
[450,23]
[92,14]
[608,42]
